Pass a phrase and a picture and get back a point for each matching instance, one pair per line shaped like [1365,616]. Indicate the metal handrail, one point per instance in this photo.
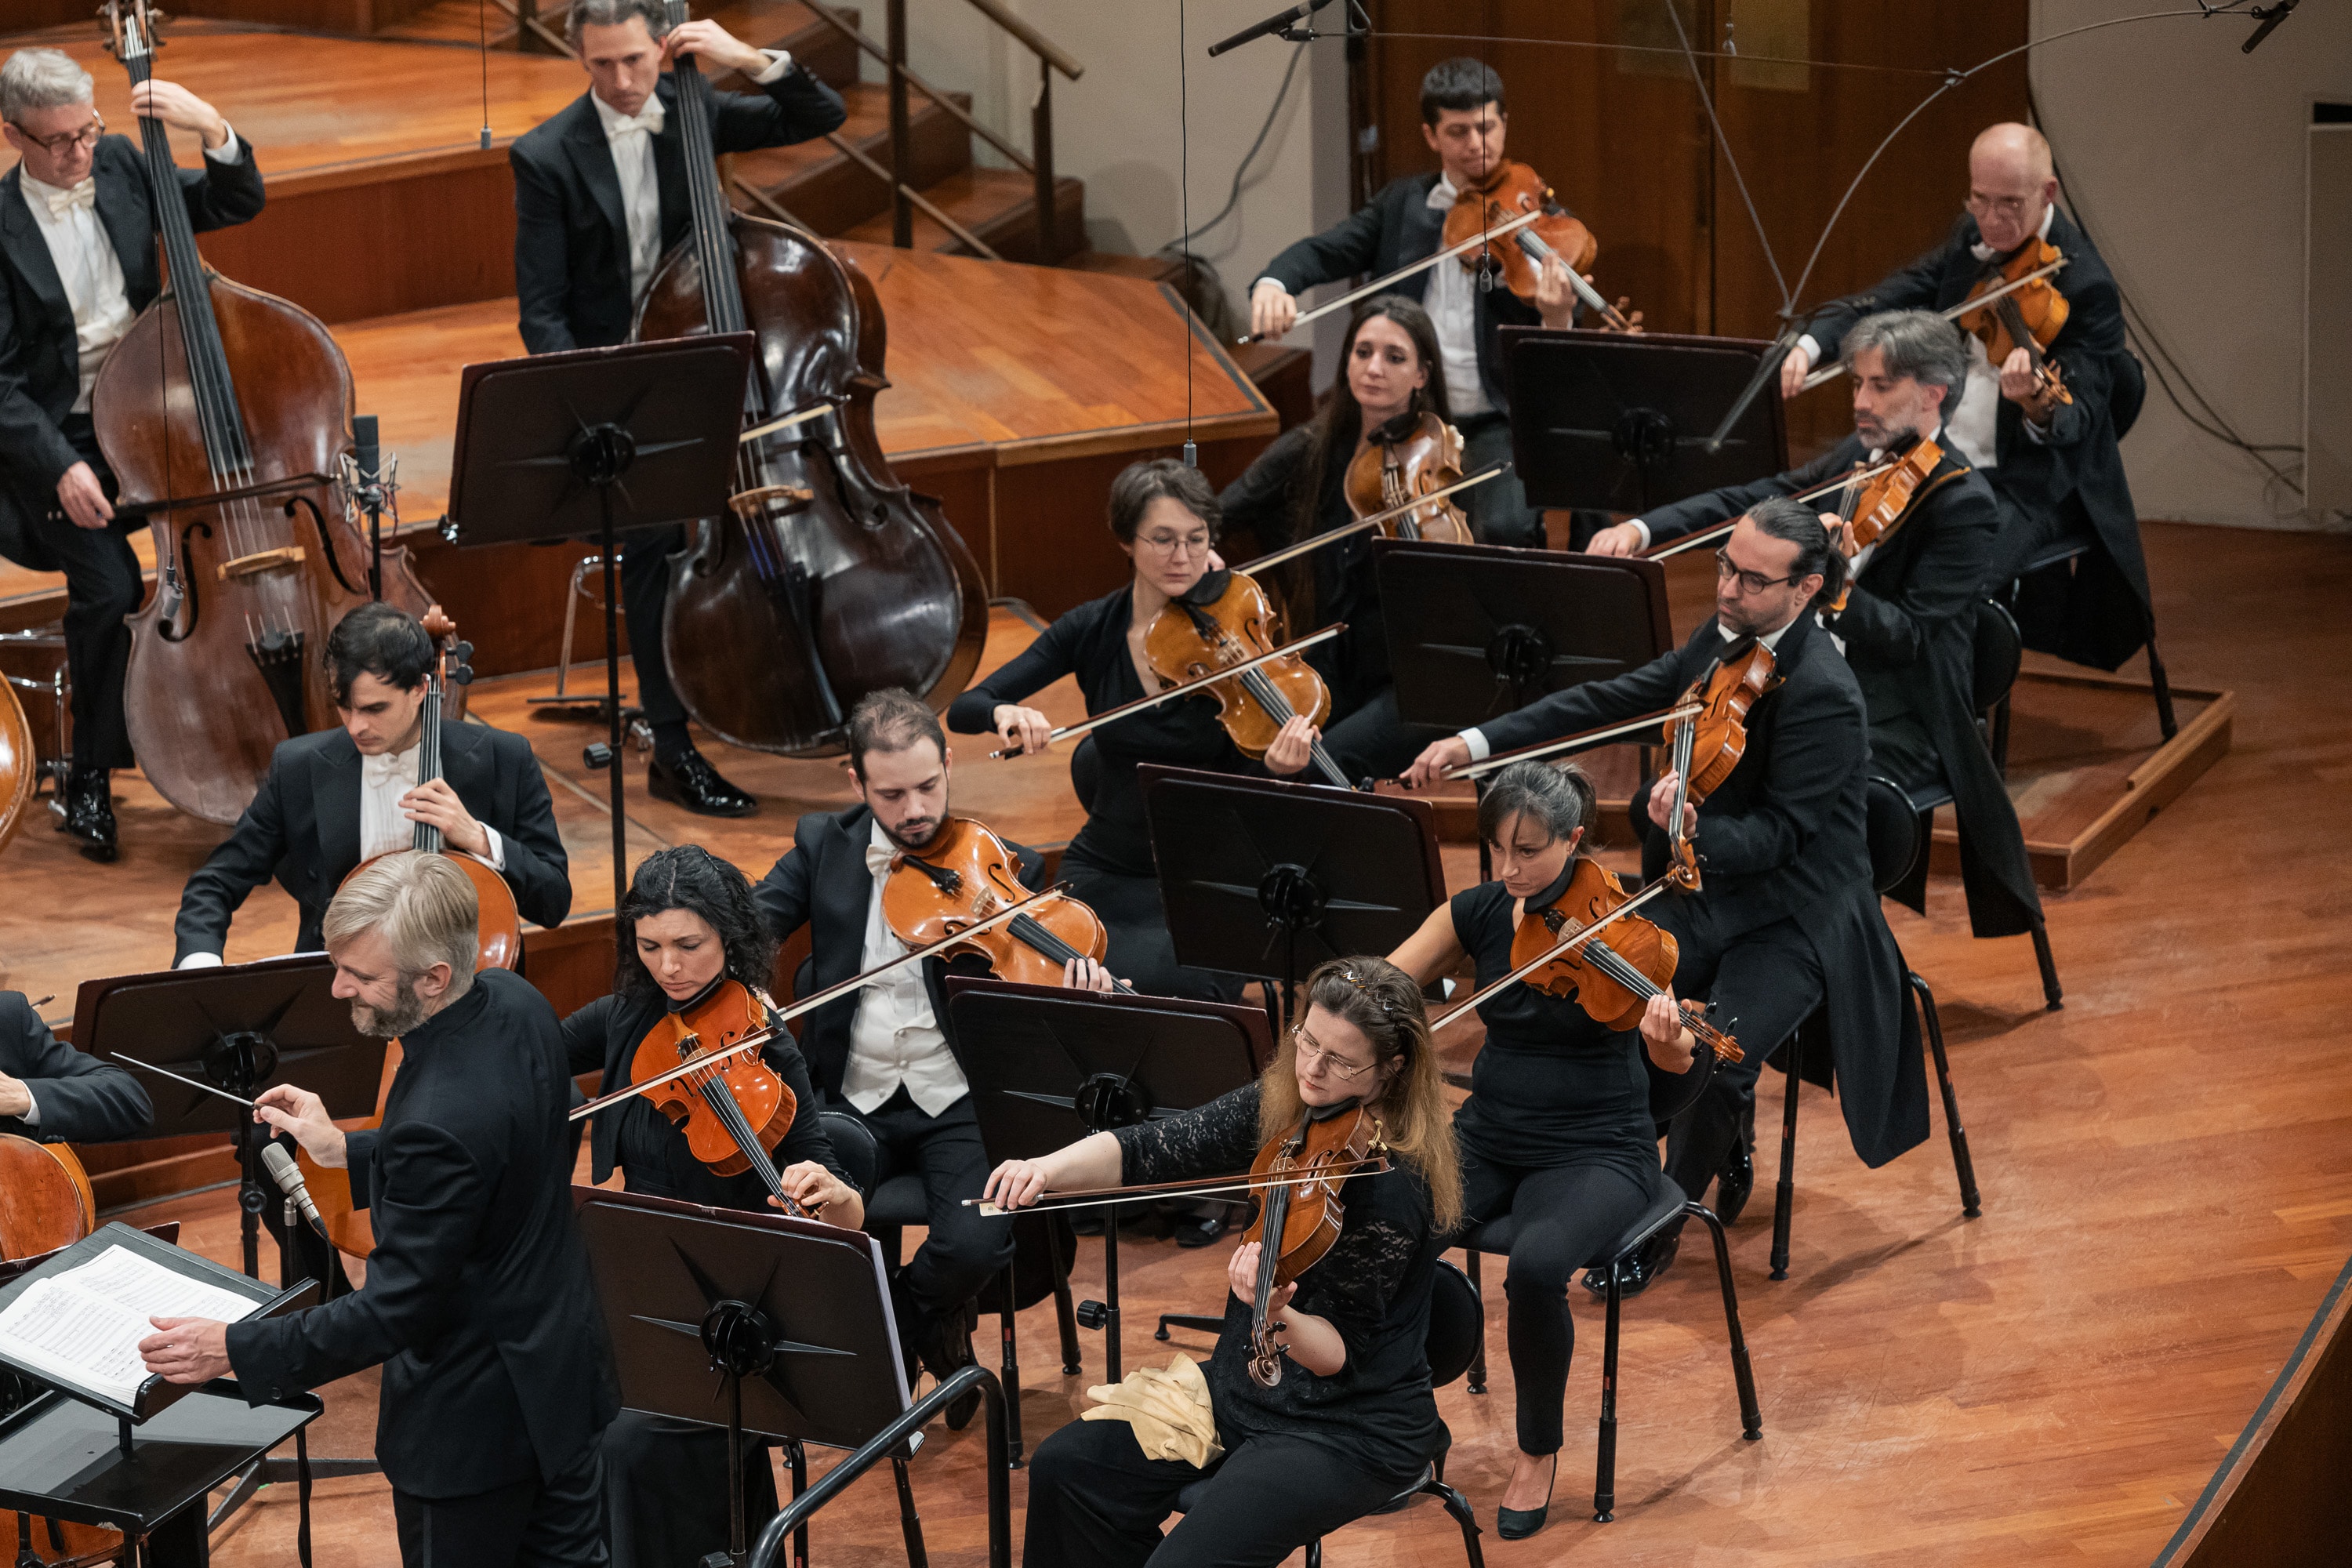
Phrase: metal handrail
[1043,48]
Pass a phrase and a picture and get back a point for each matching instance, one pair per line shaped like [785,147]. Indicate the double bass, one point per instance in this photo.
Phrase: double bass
[828,579]
[20,763]
[224,412]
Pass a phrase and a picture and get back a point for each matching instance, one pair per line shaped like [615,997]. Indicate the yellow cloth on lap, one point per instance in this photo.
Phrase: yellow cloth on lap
[1169,1408]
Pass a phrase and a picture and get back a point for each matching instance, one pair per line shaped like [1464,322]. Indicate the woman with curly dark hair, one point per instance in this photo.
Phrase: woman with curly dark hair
[686,925]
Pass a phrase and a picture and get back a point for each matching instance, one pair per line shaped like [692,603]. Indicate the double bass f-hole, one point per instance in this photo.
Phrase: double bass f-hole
[184,584]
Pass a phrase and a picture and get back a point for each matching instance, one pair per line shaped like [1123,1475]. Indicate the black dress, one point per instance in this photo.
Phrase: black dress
[1303,1458]
[665,1479]
[1110,864]
[1557,1131]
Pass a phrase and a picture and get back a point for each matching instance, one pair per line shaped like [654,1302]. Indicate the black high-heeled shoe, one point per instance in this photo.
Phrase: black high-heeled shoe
[1519,1523]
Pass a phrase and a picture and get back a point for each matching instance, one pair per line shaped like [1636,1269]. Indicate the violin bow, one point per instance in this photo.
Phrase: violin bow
[1531,965]
[1407,270]
[1111,715]
[1575,742]
[1844,481]
[1836,367]
[1276,557]
[809,1003]
[1093,1197]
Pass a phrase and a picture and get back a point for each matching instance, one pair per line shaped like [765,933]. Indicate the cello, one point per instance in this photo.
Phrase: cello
[223,411]
[20,763]
[829,579]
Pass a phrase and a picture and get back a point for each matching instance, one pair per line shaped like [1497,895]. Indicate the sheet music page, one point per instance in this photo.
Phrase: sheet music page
[82,1328]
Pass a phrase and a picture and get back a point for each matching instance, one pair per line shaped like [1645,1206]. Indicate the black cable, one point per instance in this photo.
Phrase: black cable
[1240,170]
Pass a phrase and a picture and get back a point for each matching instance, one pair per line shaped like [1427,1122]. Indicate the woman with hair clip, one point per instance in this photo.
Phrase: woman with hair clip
[1391,373]
[1557,1127]
[1166,519]
[1352,1420]
[687,925]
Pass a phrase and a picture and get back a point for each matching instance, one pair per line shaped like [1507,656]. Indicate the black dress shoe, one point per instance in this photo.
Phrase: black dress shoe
[688,779]
[1655,1255]
[945,1349]
[1736,1182]
[1519,1523]
[89,814]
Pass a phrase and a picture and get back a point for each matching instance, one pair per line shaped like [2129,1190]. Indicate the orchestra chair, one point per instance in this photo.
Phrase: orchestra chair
[1897,834]
[1900,855]
[1667,1205]
[1456,1325]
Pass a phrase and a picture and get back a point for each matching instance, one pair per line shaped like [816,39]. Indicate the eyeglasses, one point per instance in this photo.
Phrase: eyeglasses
[65,141]
[2007,207]
[1750,582]
[1314,1057]
[1172,545]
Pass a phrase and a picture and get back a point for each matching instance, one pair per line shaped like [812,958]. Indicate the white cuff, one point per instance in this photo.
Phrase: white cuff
[227,152]
[1809,348]
[1476,741]
[1637,522]
[2034,433]
[779,62]
[1276,281]
[32,1117]
[199,961]
[497,855]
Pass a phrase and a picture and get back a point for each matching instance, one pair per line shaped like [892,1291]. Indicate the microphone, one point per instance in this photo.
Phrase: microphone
[364,453]
[2270,19]
[1278,22]
[288,1177]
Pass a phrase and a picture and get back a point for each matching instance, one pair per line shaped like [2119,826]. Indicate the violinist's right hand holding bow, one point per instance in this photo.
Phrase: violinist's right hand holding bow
[1795,366]
[1617,539]
[1096,1160]
[1023,730]
[1272,309]
[1433,764]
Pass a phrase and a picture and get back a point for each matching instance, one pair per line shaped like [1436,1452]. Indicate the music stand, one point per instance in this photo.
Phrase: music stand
[241,1027]
[1258,871]
[1604,421]
[603,441]
[1049,1066]
[754,1322]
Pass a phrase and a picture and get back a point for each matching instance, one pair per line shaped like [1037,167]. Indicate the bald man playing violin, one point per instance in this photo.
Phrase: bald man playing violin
[2053,466]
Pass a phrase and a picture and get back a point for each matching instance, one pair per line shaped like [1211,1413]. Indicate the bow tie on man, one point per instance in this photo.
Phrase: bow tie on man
[386,769]
[83,195]
[878,857]
[650,120]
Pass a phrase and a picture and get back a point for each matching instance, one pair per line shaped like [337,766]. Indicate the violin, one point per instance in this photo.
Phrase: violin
[1612,978]
[1872,510]
[1189,641]
[967,874]
[827,579]
[1298,1220]
[223,411]
[734,1112]
[45,1197]
[2027,314]
[1391,476]
[1708,745]
[1511,191]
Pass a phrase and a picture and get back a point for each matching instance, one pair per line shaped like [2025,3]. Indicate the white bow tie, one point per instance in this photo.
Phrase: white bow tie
[84,195]
[878,857]
[648,119]
[387,768]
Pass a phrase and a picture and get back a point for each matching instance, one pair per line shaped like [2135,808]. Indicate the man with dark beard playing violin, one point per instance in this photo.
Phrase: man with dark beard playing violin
[1909,619]
[1787,916]
[881,1053]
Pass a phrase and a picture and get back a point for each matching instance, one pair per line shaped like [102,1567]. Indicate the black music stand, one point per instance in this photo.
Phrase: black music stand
[1049,1066]
[241,1027]
[599,441]
[1265,878]
[1605,421]
[759,1323]
[1475,631]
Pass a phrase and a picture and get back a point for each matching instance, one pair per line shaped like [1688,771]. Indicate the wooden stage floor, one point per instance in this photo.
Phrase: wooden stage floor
[2166,1167]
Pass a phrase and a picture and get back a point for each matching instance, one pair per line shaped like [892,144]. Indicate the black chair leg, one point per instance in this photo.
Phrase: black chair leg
[910,1523]
[1604,1469]
[1784,1201]
[1459,1506]
[2163,689]
[2051,995]
[796,1462]
[1011,1376]
[1477,1367]
[1201,1321]
[1751,1414]
[1066,1314]
[1315,1552]
[1971,1204]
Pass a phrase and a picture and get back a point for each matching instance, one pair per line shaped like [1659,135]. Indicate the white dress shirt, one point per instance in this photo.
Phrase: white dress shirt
[1451,299]
[895,1039]
[87,265]
[630,138]
[1476,740]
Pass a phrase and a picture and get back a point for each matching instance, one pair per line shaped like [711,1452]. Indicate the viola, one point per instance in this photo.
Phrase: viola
[1391,476]
[2028,313]
[827,579]
[1612,977]
[1300,1219]
[45,1197]
[1872,510]
[1708,745]
[966,874]
[1513,190]
[733,1111]
[1188,642]
[20,763]
[223,412]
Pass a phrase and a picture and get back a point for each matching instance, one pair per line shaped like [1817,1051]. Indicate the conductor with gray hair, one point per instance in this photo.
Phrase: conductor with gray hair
[77,266]
[1908,623]
[498,1381]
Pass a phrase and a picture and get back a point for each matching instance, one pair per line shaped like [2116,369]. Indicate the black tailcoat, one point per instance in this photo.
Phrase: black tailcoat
[82,1099]
[303,828]
[1782,839]
[41,363]
[2076,469]
[1909,628]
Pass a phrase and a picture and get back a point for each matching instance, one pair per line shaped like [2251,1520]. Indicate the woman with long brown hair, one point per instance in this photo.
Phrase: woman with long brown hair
[1352,1420]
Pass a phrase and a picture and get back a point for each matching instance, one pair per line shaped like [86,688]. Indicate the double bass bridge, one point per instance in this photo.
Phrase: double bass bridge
[285,558]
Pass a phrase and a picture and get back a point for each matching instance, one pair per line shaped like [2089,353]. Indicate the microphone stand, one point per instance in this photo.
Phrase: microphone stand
[1767,369]
[370,484]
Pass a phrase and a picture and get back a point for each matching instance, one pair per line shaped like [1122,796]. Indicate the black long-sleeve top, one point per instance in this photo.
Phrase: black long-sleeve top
[1373,1286]
[650,1150]
[1264,500]
[1552,1086]
[1090,642]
